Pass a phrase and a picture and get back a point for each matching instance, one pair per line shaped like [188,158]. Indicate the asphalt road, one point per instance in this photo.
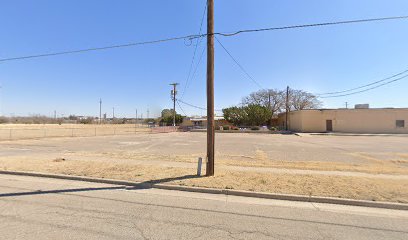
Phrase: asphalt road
[41,208]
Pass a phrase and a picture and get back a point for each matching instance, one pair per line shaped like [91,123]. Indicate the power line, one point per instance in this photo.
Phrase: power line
[191,105]
[199,40]
[195,106]
[181,107]
[368,89]
[363,86]
[311,25]
[191,37]
[194,73]
[239,65]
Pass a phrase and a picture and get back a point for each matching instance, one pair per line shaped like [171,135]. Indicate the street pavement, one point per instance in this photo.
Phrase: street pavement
[42,208]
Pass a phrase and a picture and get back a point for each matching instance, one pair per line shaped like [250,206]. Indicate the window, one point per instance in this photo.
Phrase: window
[400,123]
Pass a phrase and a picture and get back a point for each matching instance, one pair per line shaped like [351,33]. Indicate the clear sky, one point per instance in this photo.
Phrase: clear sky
[314,59]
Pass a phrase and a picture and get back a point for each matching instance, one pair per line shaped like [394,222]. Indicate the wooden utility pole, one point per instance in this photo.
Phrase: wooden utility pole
[210,89]
[287,108]
[269,106]
[173,95]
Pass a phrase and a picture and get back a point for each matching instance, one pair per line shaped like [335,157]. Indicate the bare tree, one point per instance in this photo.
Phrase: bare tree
[272,99]
[275,100]
[299,100]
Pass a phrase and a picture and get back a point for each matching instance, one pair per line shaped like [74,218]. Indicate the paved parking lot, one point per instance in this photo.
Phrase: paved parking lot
[236,146]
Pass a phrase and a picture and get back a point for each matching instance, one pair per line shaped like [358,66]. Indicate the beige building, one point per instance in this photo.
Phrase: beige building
[369,120]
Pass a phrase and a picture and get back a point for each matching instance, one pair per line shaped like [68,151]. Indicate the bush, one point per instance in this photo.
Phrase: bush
[225,128]
[255,128]
[273,129]
[3,120]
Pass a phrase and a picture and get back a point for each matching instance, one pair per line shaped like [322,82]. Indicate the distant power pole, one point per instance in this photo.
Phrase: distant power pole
[0,101]
[346,105]
[173,96]
[113,113]
[100,111]
[210,89]
[269,104]
[55,114]
[136,117]
[287,107]
[148,113]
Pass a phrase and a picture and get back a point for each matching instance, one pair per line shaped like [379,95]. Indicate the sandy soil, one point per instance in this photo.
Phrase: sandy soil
[32,131]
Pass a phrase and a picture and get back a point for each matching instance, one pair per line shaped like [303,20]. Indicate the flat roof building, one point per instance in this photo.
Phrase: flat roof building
[361,120]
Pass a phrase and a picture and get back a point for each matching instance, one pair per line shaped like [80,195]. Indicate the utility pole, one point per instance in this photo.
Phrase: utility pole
[210,89]
[287,107]
[1,87]
[113,113]
[173,96]
[148,113]
[100,111]
[55,114]
[269,105]
[136,118]
[346,105]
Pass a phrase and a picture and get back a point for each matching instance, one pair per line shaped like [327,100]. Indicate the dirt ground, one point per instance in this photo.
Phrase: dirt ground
[360,167]
[32,131]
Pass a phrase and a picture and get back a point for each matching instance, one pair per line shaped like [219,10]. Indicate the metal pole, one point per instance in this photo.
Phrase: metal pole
[269,106]
[210,89]
[100,111]
[136,121]
[287,107]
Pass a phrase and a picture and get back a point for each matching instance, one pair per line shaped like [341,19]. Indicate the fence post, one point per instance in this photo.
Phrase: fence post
[200,162]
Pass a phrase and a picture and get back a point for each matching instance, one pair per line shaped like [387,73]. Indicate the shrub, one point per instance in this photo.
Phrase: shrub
[225,128]
[3,120]
[273,129]
[255,128]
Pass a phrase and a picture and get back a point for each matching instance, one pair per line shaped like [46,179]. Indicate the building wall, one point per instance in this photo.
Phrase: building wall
[348,120]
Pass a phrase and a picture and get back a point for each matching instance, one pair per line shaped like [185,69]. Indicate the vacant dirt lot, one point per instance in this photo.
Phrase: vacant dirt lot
[366,167]
[31,131]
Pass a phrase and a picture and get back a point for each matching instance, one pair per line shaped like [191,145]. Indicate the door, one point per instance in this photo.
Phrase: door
[329,125]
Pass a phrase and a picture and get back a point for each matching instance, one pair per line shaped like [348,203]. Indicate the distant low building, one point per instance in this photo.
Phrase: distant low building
[201,122]
[358,120]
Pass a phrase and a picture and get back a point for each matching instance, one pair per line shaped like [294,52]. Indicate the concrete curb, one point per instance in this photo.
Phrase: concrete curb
[287,197]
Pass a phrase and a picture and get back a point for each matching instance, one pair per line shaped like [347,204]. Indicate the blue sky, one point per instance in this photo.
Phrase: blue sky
[314,59]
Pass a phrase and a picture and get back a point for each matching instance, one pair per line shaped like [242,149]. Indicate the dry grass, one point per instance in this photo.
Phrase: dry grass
[31,131]
[315,185]
[373,167]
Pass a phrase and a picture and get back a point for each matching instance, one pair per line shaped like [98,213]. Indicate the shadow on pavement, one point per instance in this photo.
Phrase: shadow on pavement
[142,185]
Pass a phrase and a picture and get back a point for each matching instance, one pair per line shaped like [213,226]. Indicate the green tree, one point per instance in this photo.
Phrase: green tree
[235,115]
[257,115]
[167,117]
[250,115]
